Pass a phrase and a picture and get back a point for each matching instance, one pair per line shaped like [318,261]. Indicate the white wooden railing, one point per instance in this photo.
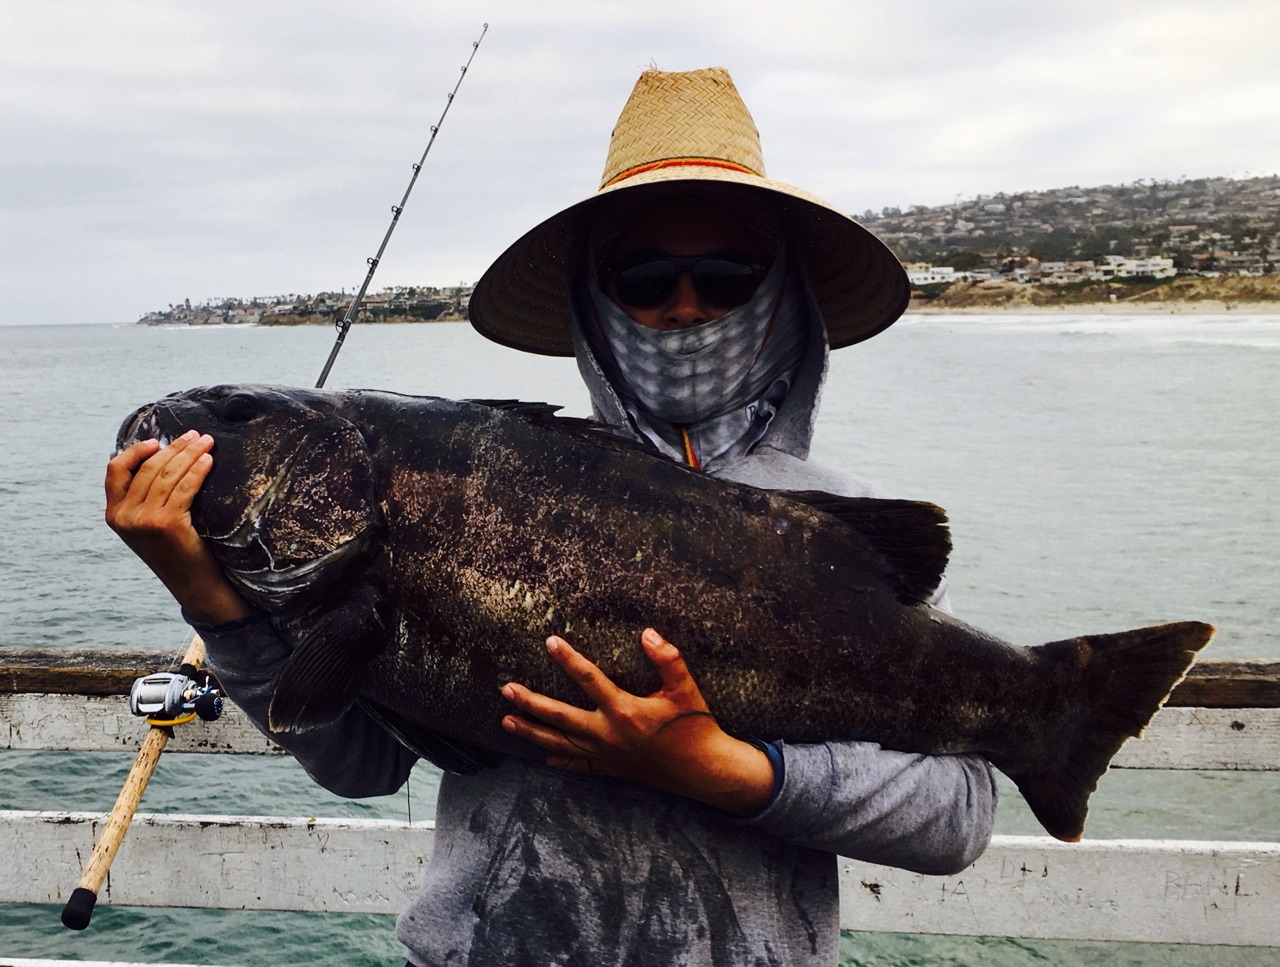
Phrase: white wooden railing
[1024,886]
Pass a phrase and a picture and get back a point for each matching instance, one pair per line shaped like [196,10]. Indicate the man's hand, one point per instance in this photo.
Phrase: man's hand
[668,740]
[149,496]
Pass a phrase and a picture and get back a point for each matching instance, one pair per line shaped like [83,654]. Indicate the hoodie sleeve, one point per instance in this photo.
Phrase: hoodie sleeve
[354,757]
[928,814]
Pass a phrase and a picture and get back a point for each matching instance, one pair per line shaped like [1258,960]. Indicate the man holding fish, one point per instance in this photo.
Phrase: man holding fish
[700,300]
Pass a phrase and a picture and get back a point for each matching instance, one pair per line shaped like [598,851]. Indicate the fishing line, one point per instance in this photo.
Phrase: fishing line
[345,324]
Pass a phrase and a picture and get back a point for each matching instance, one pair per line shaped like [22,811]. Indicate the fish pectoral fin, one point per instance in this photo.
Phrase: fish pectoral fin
[451,755]
[911,535]
[323,675]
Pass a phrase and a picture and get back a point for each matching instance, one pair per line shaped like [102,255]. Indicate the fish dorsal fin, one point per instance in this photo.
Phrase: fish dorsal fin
[582,427]
[911,535]
[544,413]
[529,408]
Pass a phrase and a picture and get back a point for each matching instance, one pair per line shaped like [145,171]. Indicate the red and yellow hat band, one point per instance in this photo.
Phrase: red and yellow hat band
[679,163]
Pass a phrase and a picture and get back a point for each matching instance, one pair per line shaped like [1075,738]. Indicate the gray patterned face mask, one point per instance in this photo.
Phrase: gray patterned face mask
[722,381]
[687,375]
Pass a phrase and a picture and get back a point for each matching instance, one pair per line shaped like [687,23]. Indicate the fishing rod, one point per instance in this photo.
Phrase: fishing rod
[345,324]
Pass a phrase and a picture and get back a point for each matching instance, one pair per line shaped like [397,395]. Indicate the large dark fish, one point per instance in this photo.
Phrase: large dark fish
[416,552]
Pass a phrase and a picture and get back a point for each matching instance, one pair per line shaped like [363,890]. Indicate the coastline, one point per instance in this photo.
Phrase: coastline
[1207,307]
[362,318]
[917,307]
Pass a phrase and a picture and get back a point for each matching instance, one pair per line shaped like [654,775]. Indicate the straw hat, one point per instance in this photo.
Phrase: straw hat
[679,130]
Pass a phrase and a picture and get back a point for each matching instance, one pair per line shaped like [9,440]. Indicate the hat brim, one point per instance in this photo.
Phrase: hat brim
[522,300]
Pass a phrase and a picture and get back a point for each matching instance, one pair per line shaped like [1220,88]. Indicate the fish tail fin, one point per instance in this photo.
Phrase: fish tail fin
[1125,678]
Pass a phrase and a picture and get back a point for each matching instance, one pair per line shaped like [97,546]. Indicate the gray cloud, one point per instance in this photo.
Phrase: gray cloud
[156,151]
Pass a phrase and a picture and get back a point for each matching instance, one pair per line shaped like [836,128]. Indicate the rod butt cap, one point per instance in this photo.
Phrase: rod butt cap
[79,909]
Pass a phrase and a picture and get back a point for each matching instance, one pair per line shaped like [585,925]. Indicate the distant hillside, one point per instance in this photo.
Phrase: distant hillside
[1213,224]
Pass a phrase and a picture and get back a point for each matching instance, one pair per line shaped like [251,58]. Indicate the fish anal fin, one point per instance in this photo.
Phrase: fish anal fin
[322,677]
[911,535]
[451,755]
[1125,678]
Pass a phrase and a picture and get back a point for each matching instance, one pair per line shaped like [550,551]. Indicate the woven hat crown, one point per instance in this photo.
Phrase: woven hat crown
[686,117]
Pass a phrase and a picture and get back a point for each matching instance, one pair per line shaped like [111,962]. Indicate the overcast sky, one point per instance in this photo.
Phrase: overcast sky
[154,150]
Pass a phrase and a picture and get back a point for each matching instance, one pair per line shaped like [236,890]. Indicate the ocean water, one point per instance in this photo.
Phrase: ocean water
[1100,472]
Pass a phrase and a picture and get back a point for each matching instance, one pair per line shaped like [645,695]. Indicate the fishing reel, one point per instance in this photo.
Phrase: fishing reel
[171,698]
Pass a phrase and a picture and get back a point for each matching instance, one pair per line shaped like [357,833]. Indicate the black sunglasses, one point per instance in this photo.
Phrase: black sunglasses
[722,280]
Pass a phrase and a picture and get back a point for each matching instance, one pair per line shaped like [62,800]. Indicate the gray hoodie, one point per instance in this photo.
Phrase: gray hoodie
[536,866]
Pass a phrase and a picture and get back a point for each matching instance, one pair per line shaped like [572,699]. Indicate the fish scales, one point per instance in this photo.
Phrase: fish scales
[416,552]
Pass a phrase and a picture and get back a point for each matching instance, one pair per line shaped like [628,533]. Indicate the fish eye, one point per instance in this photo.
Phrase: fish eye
[239,409]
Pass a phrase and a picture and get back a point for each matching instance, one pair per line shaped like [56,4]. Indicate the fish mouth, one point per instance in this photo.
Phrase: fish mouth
[142,424]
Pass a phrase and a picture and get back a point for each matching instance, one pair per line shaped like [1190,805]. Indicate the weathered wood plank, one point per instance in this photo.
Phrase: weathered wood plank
[1149,891]
[80,671]
[1024,886]
[221,862]
[1246,739]
[1209,684]
[1229,684]
[1177,738]
[76,723]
